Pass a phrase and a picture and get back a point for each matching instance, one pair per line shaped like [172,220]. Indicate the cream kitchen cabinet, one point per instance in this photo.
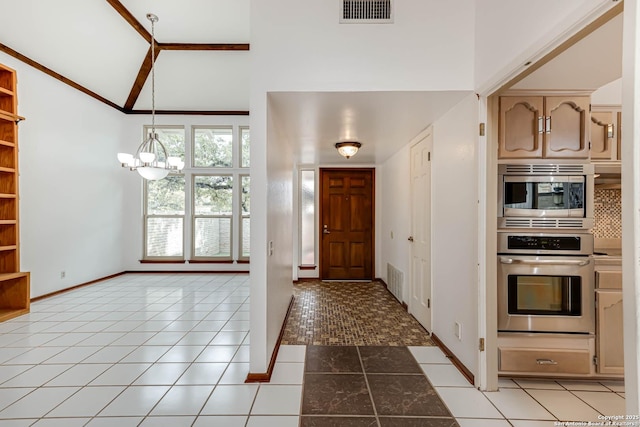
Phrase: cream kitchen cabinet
[609,335]
[605,133]
[549,127]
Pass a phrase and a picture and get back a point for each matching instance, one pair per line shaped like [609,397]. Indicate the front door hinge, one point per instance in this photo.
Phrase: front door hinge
[481,344]
[428,302]
[429,156]
[595,360]
[482,129]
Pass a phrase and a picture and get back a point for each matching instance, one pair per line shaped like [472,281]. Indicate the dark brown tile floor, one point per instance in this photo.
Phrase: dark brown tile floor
[350,313]
[354,386]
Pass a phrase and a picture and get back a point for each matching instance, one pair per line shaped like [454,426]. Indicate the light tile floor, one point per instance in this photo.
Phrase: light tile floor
[173,350]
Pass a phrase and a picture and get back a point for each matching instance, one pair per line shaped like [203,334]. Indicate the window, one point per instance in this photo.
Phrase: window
[212,216]
[307,217]
[214,224]
[213,147]
[244,154]
[164,208]
[245,229]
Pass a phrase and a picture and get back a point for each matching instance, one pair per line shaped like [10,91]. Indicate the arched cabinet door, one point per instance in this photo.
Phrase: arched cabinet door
[521,127]
[603,130]
[566,127]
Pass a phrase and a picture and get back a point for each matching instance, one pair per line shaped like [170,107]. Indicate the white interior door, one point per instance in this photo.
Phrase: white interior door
[420,301]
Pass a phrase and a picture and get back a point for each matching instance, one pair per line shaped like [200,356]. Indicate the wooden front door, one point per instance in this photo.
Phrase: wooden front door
[346,228]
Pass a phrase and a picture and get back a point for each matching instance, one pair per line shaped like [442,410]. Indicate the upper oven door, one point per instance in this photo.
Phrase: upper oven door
[555,196]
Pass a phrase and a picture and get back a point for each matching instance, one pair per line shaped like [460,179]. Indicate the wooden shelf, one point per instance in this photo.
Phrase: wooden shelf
[10,276]
[15,286]
[5,115]
[10,313]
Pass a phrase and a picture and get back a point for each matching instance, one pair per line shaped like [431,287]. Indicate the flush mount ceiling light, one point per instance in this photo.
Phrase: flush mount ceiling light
[151,160]
[348,148]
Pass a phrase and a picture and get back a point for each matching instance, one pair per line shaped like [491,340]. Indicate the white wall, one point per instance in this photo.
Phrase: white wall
[394,216]
[301,46]
[130,137]
[631,205]
[455,229]
[429,47]
[71,189]
[609,94]
[509,33]
[272,174]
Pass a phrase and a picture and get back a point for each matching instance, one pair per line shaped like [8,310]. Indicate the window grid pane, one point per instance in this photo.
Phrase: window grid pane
[213,195]
[172,138]
[164,237]
[246,237]
[245,147]
[212,237]
[166,196]
[213,148]
[245,199]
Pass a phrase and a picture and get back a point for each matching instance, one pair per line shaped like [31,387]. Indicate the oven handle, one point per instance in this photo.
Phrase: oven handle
[582,263]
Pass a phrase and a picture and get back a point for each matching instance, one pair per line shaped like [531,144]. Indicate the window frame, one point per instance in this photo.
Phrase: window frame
[189,173]
[315,226]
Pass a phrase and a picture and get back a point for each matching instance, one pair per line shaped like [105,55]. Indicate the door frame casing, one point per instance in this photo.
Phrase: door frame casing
[321,172]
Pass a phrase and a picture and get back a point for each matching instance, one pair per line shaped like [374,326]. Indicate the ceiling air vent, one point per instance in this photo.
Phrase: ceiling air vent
[366,11]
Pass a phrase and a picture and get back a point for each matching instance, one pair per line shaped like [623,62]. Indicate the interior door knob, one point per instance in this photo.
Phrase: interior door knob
[410,238]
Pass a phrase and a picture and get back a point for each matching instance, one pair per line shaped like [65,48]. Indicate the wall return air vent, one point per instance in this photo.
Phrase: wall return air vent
[366,11]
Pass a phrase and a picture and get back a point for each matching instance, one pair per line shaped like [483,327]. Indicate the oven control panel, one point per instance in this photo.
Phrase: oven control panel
[545,243]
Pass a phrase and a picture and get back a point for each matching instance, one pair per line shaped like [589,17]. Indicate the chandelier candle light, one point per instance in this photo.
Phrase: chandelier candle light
[151,159]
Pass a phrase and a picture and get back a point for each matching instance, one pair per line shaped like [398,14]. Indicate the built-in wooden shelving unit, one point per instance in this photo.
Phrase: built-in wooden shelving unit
[15,292]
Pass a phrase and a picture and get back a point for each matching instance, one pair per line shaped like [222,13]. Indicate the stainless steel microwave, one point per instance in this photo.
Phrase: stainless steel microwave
[557,196]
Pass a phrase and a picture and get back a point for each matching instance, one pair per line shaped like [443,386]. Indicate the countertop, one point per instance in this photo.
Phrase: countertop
[607,252]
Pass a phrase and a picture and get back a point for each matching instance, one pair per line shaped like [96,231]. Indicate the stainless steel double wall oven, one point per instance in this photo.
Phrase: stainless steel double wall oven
[545,268]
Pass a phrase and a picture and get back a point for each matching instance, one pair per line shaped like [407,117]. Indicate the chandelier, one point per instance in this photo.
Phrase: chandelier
[151,159]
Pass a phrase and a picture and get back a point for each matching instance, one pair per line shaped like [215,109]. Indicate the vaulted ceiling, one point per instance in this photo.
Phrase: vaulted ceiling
[103,48]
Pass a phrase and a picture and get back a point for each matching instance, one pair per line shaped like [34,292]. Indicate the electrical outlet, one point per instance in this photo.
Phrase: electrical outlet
[458,331]
[63,274]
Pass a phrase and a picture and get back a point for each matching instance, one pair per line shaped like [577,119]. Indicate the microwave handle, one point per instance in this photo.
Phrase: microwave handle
[504,260]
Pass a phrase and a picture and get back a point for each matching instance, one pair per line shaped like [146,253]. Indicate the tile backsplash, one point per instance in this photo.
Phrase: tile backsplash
[607,213]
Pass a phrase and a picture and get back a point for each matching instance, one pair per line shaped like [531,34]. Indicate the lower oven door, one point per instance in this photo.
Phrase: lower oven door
[546,294]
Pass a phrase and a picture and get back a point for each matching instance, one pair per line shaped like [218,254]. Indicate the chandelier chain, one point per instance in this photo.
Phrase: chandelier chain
[153,77]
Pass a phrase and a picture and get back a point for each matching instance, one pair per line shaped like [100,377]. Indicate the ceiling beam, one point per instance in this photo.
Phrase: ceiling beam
[143,74]
[192,112]
[203,46]
[124,12]
[57,76]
